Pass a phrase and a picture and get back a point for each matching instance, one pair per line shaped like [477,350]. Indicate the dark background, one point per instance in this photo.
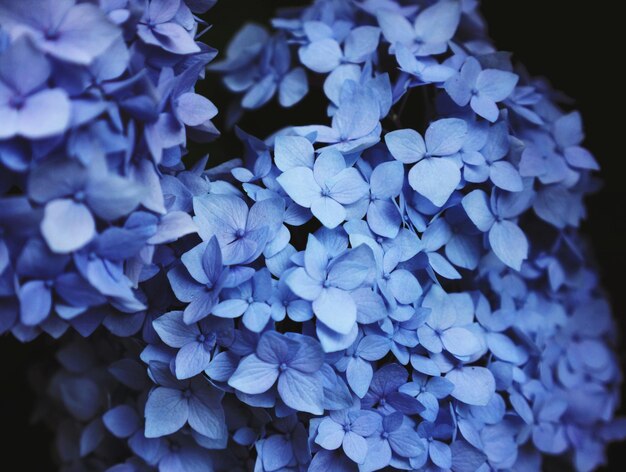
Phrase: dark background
[563,40]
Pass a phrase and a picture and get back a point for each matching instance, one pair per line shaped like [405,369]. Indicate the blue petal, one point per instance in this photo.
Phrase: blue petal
[256,316]
[253,375]
[405,442]
[360,43]
[206,416]
[359,375]
[302,392]
[347,186]
[112,197]
[472,385]
[396,28]
[173,330]
[328,212]
[219,215]
[304,285]
[232,308]
[336,309]
[485,107]
[387,179]
[509,243]
[358,112]
[406,145]
[505,176]
[293,151]
[329,434]
[321,56]
[476,205]
[166,412]
[67,225]
[122,421]
[300,185]
[446,137]
[438,23]
[440,454]
[460,341]
[404,286]
[355,447]
[293,87]
[383,218]
[277,452]
[35,302]
[192,359]
[435,178]
[373,347]
[496,84]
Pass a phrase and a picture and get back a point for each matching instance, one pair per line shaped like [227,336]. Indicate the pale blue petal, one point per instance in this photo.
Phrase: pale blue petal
[476,205]
[460,341]
[67,225]
[304,285]
[166,412]
[387,179]
[293,151]
[302,392]
[173,331]
[406,145]
[293,87]
[330,213]
[321,56]
[355,447]
[347,186]
[253,376]
[359,375]
[230,308]
[505,176]
[446,137]
[496,84]
[472,385]
[336,309]
[509,243]
[191,359]
[300,185]
[435,179]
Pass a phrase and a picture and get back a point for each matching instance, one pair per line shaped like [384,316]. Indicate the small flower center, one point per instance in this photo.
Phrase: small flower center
[92,256]
[325,192]
[51,34]
[285,302]
[326,284]
[386,275]
[382,402]
[201,338]
[240,233]
[79,196]
[474,91]
[187,394]
[347,427]
[250,300]
[49,283]
[384,435]
[282,367]
[17,102]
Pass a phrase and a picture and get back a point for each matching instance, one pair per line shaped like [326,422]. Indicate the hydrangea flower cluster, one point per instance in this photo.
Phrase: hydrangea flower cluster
[402,287]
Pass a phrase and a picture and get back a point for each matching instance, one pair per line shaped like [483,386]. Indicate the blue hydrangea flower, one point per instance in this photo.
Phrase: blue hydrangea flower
[294,361]
[444,315]
[325,188]
[434,176]
[481,89]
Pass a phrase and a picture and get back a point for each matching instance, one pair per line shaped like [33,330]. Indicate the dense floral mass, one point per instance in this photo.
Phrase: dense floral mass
[400,287]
